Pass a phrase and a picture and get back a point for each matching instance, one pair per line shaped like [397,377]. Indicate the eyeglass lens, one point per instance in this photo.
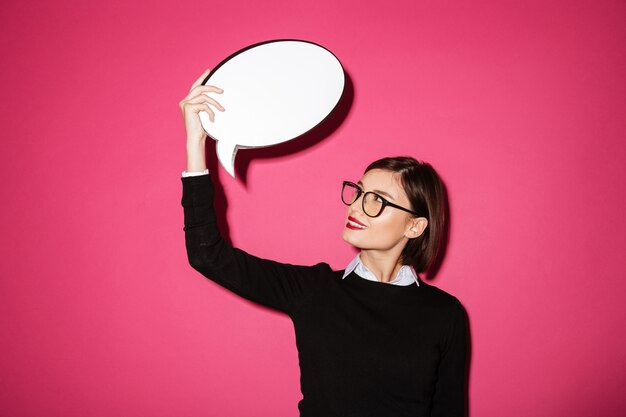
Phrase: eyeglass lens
[349,193]
[372,204]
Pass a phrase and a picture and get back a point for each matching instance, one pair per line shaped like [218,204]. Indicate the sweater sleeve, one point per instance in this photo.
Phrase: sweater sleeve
[273,284]
[450,390]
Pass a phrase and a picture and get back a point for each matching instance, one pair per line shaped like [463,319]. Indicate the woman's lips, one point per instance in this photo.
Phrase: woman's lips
[354,224]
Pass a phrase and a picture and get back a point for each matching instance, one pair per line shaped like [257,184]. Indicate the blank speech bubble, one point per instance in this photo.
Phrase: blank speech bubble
[273,92]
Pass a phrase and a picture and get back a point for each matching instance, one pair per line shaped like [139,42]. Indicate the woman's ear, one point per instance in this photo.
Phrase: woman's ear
[416,227]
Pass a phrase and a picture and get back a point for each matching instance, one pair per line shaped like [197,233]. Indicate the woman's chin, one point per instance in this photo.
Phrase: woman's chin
[348,237]
[345,235]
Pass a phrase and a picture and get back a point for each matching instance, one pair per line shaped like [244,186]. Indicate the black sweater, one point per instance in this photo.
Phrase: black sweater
[365,348]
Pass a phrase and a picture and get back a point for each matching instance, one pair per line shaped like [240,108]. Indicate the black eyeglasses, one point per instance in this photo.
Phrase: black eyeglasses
[373,204]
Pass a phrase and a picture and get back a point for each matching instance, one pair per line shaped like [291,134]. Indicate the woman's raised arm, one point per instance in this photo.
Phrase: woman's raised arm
[277,285]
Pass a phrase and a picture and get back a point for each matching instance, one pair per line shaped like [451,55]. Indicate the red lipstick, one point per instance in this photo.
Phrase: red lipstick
[354,226]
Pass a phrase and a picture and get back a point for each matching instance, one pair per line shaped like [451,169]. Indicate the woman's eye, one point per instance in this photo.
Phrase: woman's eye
[375,198]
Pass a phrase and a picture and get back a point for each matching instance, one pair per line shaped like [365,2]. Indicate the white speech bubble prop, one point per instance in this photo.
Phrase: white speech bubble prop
[273,92]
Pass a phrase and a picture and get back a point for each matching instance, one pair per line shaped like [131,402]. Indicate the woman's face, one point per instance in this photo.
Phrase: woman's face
[392,228]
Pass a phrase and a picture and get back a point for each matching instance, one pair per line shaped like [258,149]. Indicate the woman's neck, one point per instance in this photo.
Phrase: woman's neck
[383,265]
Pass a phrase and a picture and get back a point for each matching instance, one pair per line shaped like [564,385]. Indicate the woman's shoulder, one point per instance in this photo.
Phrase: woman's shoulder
[438,298]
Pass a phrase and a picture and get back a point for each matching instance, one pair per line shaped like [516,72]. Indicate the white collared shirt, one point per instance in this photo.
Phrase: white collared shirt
[186,174]
[406,274]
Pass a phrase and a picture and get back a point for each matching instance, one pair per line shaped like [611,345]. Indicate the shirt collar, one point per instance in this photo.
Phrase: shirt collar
[406,274]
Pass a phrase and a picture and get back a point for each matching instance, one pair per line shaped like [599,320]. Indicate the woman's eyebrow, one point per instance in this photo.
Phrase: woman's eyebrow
[381,192]
[389,196]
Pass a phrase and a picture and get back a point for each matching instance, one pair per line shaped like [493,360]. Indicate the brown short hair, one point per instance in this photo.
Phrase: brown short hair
[426,193]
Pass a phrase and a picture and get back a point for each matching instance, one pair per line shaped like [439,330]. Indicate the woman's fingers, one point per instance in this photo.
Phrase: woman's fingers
[203,89]
[197,108]
[215,103]
[199,91]
[198,104]
[203,98]
[199,80]
[198,100]
[189,108]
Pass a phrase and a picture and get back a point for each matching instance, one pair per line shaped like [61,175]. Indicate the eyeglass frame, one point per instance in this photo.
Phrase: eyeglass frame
[360,192]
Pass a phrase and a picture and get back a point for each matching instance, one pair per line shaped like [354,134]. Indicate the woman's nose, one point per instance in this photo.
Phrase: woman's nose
[356,204]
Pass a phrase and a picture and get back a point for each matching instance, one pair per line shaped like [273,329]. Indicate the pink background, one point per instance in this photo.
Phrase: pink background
[519,105]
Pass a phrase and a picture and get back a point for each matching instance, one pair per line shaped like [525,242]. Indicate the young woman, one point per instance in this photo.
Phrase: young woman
[373,339]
